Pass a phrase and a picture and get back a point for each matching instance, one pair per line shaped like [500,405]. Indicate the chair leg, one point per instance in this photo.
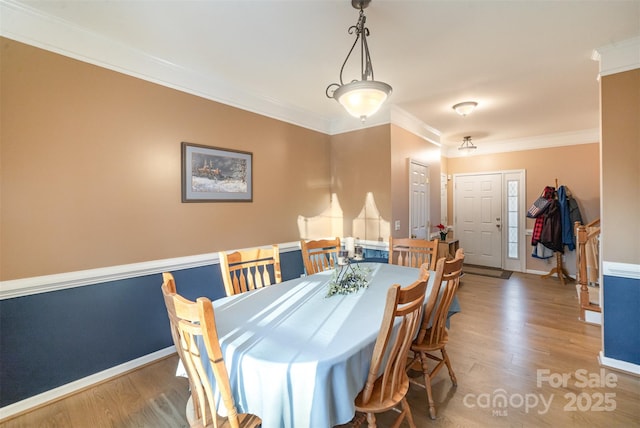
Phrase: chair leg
[452,375]
[427,384]
[357,420]
[371,420]
[406,411]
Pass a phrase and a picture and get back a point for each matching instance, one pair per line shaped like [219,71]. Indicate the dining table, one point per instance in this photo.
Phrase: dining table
[297,357]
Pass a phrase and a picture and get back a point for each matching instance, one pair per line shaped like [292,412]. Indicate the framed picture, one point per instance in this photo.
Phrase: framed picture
[212,174]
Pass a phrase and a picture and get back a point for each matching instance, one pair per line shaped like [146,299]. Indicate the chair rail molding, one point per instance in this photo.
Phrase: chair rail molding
[46,283]
[622,270]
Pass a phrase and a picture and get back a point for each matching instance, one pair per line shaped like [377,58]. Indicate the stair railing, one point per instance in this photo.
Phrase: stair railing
[585,234]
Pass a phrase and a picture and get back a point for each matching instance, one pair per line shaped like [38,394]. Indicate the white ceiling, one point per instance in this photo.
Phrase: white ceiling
[527,63]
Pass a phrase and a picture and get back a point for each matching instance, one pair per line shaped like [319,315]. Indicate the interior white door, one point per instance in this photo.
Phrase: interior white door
[478,218]
[419,200]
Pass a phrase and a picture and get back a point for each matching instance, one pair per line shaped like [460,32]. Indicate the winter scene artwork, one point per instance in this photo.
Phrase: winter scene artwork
[214,174]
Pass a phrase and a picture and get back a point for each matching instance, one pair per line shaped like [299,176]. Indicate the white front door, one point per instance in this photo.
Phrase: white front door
[419,200]
[478,218]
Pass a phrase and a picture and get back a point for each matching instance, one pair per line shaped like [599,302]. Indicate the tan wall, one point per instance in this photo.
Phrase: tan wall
[620,106]
[576,167]
[405,146]
[360,174]
[91,169]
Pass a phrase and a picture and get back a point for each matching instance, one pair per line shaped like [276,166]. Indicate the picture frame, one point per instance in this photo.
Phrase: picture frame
[214,174]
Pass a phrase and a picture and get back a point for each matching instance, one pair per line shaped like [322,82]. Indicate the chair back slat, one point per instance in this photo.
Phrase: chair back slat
[193,329]
[319,255]
[250,269]
[405,304]
[445,286]
[413,252]
[168,291]
[182,311]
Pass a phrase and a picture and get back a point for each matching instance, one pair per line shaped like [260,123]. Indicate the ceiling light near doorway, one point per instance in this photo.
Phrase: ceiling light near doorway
[465,108]
[467,146]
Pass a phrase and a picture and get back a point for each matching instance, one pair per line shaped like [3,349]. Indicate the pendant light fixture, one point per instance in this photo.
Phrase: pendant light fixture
[467,146]
[361,98]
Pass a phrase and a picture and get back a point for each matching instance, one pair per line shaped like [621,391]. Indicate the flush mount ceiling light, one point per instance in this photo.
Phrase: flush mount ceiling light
[467,146]
[361,98]
[465,108]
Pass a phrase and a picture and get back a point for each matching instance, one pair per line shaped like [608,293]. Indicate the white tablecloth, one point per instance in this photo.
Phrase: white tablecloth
[297,358]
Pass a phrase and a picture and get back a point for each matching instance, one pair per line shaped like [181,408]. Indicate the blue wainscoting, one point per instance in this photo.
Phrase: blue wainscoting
[621,323]
[50,339]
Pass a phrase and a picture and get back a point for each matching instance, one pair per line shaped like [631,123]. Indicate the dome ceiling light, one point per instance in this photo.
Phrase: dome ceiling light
[465,108]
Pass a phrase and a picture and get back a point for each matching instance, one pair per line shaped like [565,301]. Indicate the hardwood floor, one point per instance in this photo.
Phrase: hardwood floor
[513,340]
[151,396]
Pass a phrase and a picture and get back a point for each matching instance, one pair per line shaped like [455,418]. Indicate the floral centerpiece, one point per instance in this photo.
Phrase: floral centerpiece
[443,231]
[348,279]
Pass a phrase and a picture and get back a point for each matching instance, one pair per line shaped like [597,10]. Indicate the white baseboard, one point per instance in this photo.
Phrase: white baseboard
[75,386]
[593,317]
[624,366]
[536,272]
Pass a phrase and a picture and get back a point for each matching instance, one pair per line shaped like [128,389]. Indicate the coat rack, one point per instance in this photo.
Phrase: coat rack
[559,268]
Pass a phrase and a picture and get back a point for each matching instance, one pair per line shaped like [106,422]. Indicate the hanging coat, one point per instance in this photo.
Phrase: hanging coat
[574,211]
[565,219]
[537,227]
[541,252]
[551,236]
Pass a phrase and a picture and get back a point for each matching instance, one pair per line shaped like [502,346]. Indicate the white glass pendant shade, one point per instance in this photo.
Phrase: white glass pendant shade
[362,98]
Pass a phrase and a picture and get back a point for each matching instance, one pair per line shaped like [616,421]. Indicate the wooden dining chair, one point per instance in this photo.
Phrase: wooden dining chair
[320,254]
[433,334]
[250,269]
[385,391]
[413,252]
[193,322]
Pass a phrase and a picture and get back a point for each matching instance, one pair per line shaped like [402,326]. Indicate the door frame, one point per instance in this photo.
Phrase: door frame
[514,264]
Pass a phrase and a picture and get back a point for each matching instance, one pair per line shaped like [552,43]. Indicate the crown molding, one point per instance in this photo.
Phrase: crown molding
[348,123]
[27,25]
[531,143]
[388,114]
[410,123]
[618,57]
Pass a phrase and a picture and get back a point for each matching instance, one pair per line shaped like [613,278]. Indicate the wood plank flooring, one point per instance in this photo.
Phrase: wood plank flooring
[513,339]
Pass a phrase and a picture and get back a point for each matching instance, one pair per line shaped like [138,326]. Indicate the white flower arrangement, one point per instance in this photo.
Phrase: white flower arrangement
[348,279]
